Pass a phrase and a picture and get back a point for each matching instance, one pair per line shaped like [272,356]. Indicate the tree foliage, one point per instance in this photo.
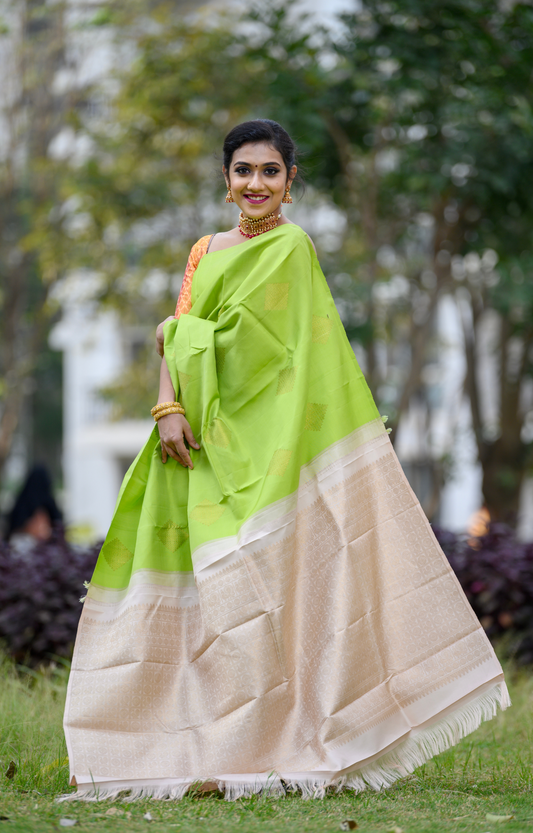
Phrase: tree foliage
[448,98]
[33,53]
[414,119]
[425,141]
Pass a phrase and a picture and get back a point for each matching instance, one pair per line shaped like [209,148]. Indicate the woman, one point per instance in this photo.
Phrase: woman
[270,608]
[35,513]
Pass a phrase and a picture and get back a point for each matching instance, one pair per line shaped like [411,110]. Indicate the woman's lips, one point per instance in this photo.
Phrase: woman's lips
[255,200]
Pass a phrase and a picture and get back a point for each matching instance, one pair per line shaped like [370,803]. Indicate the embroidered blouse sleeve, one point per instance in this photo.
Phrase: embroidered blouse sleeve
[197,252]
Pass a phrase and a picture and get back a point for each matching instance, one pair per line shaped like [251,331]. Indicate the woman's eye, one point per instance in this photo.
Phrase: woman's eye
[269,171]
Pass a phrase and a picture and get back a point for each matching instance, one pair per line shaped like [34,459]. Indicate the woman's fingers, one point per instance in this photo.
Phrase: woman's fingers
[168,451]
[160,336]
[184,454]
[189,436]
[172,430]
[172,452]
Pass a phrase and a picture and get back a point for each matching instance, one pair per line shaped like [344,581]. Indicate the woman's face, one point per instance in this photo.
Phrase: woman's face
[257,177]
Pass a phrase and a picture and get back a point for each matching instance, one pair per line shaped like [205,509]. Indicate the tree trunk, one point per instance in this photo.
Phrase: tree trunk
[28,189]
[504,467]
[505,460]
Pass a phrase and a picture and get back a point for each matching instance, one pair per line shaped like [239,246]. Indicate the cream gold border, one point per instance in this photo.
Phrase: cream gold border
[428,698]
[364,446]
[376,760]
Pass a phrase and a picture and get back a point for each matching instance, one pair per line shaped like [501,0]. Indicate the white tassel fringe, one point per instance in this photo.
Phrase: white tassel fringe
[423,745]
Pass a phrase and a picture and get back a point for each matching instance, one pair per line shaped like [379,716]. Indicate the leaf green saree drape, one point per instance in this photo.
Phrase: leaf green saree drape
[282,614]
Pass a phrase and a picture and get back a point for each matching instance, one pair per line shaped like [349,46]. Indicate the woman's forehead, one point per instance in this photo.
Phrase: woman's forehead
[257,152]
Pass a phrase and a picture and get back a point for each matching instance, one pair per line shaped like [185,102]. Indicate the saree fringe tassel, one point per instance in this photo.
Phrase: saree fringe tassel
[281,617]
[394,765]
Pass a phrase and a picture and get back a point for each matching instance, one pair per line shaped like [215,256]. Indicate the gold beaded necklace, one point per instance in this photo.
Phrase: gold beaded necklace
[251,227]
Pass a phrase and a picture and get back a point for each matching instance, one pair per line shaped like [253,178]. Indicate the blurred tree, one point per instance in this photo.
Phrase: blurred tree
[152,182]
[40,57]
[32,108]
[416,119]
[421,129]
[134,208]
[441,96]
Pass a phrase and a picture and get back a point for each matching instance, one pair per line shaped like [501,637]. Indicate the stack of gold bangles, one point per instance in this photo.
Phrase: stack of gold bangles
[164,408]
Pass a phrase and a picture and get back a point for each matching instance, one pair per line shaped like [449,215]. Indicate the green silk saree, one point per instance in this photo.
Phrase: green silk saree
[282,614]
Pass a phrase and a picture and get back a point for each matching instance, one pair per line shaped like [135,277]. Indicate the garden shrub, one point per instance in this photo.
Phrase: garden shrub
[496,573]
[40,598]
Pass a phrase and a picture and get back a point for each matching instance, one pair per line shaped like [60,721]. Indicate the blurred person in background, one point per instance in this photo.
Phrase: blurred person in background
[35,513]
[270,609]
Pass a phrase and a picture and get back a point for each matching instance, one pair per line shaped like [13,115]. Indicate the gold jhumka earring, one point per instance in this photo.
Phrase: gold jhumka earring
[287,196]
[229,196]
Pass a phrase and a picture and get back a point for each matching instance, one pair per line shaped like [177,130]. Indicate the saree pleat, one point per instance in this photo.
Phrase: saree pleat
[281,616]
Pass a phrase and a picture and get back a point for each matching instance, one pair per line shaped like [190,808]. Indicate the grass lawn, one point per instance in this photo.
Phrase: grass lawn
[488,773]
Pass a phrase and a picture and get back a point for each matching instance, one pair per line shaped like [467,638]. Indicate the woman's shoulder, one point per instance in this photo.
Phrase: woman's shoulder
[199,249]
[202,244]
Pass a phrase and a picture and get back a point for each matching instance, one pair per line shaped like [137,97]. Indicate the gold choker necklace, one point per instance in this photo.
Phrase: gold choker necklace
[249,227]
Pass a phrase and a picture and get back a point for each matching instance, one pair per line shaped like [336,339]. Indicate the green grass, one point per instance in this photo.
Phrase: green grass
[489,772]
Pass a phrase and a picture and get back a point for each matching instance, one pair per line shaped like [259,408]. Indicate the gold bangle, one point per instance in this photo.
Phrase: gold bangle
[163,405]
[166,405]
[167,411]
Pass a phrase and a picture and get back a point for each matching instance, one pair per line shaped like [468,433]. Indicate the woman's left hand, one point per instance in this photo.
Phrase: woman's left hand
[173,431]
[160,336]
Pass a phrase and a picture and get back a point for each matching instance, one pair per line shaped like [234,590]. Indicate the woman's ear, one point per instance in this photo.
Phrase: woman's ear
[226,177]
[292,173]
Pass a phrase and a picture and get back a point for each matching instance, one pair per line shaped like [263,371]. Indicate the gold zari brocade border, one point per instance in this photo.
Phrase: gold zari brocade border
[292,651]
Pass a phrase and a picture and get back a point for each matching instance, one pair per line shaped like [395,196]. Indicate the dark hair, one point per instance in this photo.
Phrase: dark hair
[261,130]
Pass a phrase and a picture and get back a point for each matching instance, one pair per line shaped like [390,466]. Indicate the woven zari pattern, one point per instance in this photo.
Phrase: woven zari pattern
[321,329]
[116,553]
[280,460]
[314,416]
[249,680]
[172,536]
[276,296]
[286,380]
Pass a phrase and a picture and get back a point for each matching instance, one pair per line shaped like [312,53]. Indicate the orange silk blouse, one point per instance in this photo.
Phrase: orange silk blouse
[197,252]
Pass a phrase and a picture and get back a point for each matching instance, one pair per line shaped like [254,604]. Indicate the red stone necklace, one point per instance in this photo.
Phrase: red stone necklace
[249,227]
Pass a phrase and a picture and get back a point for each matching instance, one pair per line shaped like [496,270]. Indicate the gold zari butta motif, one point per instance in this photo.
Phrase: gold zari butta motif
[294,649]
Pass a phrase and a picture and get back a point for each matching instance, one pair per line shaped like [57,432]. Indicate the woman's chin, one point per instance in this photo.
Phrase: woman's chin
[255,212]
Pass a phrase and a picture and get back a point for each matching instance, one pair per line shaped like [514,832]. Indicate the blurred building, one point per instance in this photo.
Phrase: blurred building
[96,450]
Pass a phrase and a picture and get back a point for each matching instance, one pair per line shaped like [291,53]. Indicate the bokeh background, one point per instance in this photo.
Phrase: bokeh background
[415,126]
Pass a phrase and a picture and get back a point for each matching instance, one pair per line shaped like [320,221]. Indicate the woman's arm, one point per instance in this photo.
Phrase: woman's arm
[173,428]
[166,388]
[160,336]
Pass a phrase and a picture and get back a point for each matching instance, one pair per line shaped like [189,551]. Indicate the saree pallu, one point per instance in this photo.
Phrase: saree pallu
[281,616]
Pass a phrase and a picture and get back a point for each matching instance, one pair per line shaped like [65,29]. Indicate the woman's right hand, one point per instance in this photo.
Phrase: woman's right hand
[160,336]
[173,431]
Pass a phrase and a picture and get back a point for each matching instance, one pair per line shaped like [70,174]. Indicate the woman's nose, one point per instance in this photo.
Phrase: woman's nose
[256,182]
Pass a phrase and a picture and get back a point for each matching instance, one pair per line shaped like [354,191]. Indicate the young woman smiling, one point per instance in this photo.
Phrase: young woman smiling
[270,609]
